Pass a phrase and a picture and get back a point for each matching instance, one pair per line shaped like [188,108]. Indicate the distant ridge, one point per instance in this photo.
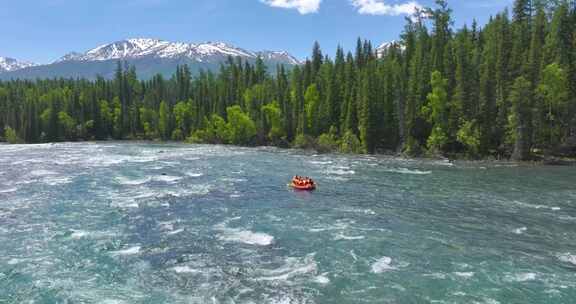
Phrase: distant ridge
[149,56]
[11,64]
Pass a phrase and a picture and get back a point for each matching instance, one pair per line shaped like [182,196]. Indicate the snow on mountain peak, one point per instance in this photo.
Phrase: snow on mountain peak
[10,64]
[281,55]
[384,47]
[135,48]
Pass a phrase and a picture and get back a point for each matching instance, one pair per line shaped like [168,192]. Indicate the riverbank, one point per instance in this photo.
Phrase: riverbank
[538,160]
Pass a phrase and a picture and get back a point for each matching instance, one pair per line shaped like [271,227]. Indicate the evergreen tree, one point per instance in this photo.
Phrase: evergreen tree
[520,96]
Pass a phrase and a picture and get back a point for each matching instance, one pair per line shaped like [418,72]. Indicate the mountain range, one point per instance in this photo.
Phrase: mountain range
[149,56]
[11,64]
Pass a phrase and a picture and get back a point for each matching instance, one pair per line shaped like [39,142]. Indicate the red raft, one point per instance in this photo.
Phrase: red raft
[304,184]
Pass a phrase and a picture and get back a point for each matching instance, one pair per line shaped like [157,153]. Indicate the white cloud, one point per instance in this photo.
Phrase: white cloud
[303,6]
[379,7]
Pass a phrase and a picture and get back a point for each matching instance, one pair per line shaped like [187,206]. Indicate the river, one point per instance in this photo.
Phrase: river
[172,223]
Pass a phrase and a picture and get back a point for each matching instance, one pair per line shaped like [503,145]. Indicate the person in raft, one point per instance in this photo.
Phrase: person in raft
[302,181]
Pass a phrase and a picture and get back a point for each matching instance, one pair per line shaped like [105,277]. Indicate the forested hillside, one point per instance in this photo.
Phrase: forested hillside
[505,89]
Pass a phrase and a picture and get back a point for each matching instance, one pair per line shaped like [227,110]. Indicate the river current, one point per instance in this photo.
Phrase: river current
[116,223]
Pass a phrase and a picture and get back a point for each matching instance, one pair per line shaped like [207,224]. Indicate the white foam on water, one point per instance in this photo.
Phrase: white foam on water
[82,234]
[9,190]
[337,226]
[353,254]
[188,191]
[185,269]
[55,181]
[102,160]
[234,180]
[382,265]
[520,277]
[359,210]
[520,230]
[175,232]
[526,205]
[167,179]
[465,275]
[567,258]
[445,162]
[169,225]
[341,236]
[142,159]
[112,301]
[436,275]
[322,279]
[408,171]
[293,267]
[284,300]
[247,237]
[41,173]
[318,162]
[127,205]
[131,182]
[79,234]
[337,178]
[340,171]
[195,174]
[128,251]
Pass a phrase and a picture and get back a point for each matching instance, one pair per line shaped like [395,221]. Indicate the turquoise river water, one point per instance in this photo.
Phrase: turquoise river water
[172,223]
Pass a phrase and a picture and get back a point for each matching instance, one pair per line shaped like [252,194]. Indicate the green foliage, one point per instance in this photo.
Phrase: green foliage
[437,140]
[350,143]
[149,120]
[164,121]
[274,121]
[241,130]
[470,136]
[303,141]
[553,89]
[216,131]
[435,110]
[177,135]
[116,117]
[520,97]
[68,125]
[183,120]
[435,113]
[11,136]
[312,103]
[328,142]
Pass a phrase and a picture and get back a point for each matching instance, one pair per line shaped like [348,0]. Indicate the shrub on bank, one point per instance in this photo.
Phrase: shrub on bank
[11,136]
[303,141]
[350,143]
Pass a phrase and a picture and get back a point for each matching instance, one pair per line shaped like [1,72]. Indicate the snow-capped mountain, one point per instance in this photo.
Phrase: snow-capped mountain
[384,47]
[10,64]
[139,48]
[150,57]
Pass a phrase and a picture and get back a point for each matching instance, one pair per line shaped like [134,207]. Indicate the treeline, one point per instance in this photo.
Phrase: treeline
[507,89]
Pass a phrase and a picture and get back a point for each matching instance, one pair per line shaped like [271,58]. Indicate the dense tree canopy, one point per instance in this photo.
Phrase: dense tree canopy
[507,89]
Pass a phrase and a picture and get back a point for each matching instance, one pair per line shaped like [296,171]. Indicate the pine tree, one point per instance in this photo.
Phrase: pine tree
[317,58]
[436,114]
[520,97]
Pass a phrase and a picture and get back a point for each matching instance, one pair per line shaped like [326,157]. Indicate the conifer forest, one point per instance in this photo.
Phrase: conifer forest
[506,89]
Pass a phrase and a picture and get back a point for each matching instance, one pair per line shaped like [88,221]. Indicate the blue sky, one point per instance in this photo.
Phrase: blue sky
[43,30]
